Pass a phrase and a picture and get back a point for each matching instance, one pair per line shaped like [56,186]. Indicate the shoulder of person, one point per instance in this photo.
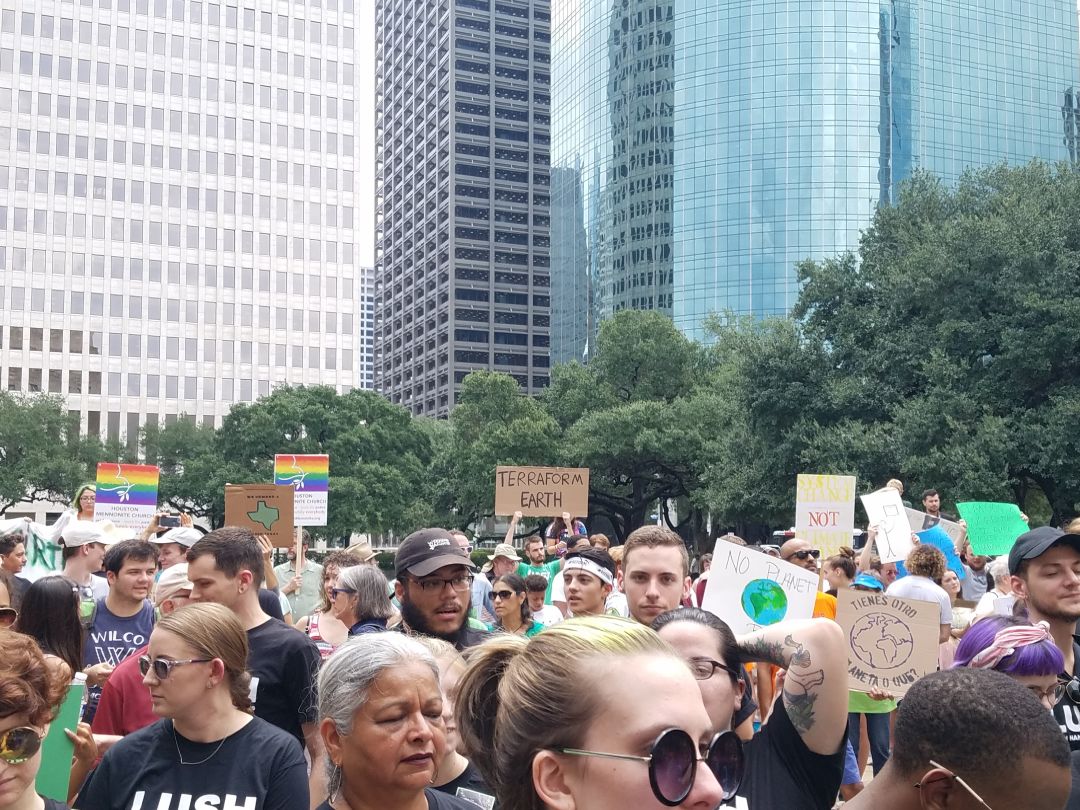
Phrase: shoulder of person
[271,739]
[444,801]
[139,744]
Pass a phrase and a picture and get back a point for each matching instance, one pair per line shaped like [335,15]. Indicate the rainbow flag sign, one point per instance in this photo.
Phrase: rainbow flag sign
[126,494]
[309,476]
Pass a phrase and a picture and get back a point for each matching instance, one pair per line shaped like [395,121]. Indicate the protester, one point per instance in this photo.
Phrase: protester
[799,552]
[1023,651]
[482,608]
[998,571]
[561,742]
[926,566]
[322,626]
[303,587]
[50,616]
[380,717]
[173,545]
[12,562]
[537,588]
[535,564]
[969,738]
[454,775]
[588,577]
[600,540]
[125,705]
[82,549]
[434,576]
[655,572]
[82,505]
[931,502]
[1045,568]
[697,592]
[504,560]
[840,570]
[973,583]
[564,528]
[797,758]
[512,607]
[226,567]
[360,600]
[122,621]
[30,696]
[208,747]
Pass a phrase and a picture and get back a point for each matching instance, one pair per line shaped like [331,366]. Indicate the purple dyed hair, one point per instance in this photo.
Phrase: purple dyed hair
[1040,658]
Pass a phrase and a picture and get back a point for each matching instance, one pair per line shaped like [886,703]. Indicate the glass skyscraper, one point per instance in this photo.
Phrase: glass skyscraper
[709,146]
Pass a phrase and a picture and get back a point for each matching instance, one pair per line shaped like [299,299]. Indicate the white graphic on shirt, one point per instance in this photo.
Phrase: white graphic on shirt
[186,801]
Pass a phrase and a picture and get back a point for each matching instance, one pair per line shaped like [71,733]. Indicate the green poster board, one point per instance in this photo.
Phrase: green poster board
[992,527]
[57,749]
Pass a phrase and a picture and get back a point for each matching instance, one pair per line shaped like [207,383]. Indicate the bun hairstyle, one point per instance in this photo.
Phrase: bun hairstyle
[845,551]
[213,631]
[845,561]
[518,697]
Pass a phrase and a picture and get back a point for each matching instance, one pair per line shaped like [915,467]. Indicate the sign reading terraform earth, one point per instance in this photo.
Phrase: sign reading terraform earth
[542,491]
[750,590]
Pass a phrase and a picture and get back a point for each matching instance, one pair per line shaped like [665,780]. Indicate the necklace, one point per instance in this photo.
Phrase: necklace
[176,742]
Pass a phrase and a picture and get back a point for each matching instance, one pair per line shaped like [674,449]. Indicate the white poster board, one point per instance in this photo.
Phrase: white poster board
[750,590]
[885,510]
[825,511]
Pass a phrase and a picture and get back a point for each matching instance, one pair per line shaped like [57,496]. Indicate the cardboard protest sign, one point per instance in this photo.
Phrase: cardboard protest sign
[936,536]
[126,494]
[57,749]
[885,510]
[542,491]
[262,508]
[309,476]
[891,642]
[825,511]
[750,590]
[992,527]
[921,521]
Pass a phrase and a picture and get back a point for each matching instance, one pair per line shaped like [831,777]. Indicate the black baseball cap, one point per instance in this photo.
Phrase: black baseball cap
[427,550]
[1037,542]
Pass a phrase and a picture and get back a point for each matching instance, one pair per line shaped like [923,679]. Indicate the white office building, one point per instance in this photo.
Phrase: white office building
[178,201]
[367,328]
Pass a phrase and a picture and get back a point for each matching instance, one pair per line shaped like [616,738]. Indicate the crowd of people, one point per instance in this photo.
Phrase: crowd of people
[572,675]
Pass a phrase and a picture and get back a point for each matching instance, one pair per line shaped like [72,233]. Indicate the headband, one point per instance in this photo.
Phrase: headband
[590,567]
[1006,642]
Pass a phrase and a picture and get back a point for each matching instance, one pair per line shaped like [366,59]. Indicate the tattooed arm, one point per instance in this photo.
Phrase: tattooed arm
[815,687]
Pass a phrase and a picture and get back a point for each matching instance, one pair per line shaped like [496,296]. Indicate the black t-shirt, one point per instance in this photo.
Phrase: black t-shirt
[471,787]
[782,772]
[284,664]
[52,804]
[1066,712]
[270,604]
[435,801]
[260,766]
[747,706]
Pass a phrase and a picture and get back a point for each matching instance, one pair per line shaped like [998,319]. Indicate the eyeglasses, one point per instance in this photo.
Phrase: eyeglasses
[163,667]
[804,553]
[705,668]
[336,592]
[19,744]
[1054,693]
[673,762]
[950,775]
[458,583]
[501,594]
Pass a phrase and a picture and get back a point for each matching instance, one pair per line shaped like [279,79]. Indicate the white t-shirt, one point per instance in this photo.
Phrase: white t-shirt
[922,589]
[617,605]
[547,615]
[558,588]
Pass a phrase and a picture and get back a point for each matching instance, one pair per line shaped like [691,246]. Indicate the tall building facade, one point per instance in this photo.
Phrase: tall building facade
[462,196]
[178,222]
[366,364]
[717,144]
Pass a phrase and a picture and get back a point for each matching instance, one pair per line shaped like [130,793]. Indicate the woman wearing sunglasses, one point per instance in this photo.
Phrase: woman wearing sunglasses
[796,760]
[208,745]
[512,612]
[322,626]
[563,741]
[360,600]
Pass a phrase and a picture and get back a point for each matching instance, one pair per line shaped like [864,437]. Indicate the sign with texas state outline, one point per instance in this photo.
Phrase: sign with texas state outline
[263,509]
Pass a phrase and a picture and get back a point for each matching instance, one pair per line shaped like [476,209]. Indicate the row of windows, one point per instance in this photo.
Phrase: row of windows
[517,299]
[499,338]
[499,358]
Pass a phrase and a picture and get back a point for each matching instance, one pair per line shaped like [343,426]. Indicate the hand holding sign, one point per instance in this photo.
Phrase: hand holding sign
[992,527]
[885,510]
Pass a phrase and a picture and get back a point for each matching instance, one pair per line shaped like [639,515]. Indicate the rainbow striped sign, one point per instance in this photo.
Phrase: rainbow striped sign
[309,476]
[126,494]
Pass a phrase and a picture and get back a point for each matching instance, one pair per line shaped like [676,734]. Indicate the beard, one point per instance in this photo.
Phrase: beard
[1050,610]
[415,620]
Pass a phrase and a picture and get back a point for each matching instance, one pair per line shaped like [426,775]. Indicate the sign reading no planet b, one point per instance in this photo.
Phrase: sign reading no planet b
[263,509]
[891,642]
[126,494]
[309,476]
[542,491]
[750,590]
[825,511]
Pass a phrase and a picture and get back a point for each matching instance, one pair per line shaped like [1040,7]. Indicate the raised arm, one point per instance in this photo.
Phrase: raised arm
[815,688]
[868,549]
[512,528]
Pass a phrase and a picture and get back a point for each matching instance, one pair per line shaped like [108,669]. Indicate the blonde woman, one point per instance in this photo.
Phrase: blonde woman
[207,743]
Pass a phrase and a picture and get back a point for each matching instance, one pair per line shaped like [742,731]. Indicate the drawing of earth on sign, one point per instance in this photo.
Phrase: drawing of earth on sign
[764,601]
[881,641]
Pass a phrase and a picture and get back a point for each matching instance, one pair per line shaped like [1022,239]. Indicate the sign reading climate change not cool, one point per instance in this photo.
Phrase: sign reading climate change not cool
[750,590]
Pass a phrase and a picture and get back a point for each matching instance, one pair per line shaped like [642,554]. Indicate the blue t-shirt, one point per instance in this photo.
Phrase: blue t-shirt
[111,639]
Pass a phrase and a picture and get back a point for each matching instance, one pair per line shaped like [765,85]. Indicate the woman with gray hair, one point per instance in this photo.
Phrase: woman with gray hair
[359,600]
[999,570]
[381,722]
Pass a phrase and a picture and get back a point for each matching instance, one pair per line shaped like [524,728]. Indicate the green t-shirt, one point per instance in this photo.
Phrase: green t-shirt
[547,570]
[862,703]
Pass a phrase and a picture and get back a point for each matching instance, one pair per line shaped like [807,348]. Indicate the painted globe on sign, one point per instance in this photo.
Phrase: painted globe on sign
[764,602]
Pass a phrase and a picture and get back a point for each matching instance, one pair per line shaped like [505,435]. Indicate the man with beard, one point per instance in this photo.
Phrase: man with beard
[1044,564]
[434,577]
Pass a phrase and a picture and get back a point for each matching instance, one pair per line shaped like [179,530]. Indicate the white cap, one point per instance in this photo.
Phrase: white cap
[184,536]
[172,580]
[84,532]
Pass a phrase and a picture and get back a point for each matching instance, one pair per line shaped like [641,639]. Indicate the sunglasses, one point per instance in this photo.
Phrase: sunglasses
[336,592]
[673,759]
[501,594]
[19,744]
[163,667]
[1072,689]
[8,615]
[806,552]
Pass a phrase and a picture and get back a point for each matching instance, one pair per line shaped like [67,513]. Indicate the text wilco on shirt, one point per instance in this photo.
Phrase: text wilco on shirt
[185,801]
[114,637]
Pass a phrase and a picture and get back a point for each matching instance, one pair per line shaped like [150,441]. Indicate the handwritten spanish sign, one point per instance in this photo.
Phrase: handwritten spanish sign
[825,511]
[892,642]
[542,491]
[309,476]
[262,508]
[126,494]
[750,590]
[885,510]
[992,527]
